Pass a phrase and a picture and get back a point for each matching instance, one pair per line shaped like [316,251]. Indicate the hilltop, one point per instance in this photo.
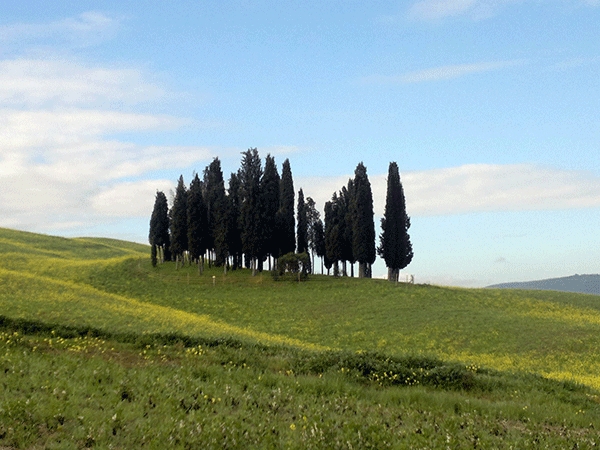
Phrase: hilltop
[174,358]
[585,284]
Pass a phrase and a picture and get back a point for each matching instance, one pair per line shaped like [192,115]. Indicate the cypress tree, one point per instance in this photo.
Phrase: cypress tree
[250,206]
[349,226]
[319,236]
[221,231]
[395,246]
[197,222]
[287,237]
[302,229]
[270,192]
[312,216]
[333,241]
[234,239]
[179,221]
[363,239]
[214,194]
[159,227]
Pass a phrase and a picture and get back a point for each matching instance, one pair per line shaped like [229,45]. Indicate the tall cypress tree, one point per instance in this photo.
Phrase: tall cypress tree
[363,238]
[287,242]
[159,227]
[349,228]
[319,241]
[250,206]
[234,239]
[269,193]
[179,242]
[312,217]
[197,222]
[214,198]
[221,231]
[302,229]
[395,246]
[333,235]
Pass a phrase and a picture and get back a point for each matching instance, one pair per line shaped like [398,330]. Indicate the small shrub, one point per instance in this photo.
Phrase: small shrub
[292,266]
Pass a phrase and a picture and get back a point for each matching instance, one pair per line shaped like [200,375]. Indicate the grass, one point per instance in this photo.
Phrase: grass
[330,363]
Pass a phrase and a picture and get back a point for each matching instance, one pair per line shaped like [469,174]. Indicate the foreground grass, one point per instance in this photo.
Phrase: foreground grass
[75,388]
[109,351]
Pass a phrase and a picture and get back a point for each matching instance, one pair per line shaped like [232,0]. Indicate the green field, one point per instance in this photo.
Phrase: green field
[234,360]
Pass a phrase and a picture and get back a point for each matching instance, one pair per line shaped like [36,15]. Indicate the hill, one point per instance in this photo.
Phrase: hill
[585,284]
[99,348]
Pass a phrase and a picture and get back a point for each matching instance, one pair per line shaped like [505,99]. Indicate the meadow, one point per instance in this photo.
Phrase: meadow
[97,348]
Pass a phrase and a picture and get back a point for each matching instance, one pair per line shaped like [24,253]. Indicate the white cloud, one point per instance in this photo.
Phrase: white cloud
[61,165]
[86,29]
[476,188]
[36,83]
[440,73]
[131,199]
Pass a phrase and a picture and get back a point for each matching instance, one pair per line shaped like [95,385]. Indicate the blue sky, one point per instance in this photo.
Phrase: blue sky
[491,109]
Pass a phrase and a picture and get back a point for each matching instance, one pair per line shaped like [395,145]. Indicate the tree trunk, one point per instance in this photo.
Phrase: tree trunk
[253,265]
[362,269]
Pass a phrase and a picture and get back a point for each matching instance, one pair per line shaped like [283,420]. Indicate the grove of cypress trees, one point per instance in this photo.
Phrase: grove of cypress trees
[363,238]
[395,246]
[179,241]
[250,206]
[287,236]
[159,227]
[197,223]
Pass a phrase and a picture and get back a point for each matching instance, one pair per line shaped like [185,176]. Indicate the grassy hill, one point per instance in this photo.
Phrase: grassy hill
[228,360]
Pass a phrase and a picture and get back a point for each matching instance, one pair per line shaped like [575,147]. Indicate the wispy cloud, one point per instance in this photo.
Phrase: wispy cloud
[440,73]
[433,10]
[86,29]
[477,188]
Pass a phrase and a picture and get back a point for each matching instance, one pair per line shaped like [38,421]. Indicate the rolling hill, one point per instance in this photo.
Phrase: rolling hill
[585,284]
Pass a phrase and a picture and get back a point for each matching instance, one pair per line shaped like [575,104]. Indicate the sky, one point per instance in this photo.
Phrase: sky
[491,108]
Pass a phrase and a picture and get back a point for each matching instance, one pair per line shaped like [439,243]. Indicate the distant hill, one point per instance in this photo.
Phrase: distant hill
[585,284]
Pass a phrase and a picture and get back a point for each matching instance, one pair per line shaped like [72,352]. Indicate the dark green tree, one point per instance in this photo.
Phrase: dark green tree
[319,241]
[269,193]
[312,217]
[395,246]
[333,241]
[302,229]
[159,227]
[349,226]
[234,239]
[286,227]
[363,233]
[250,207]
[221,231]
[214,198]
[179,237]
[197,223]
